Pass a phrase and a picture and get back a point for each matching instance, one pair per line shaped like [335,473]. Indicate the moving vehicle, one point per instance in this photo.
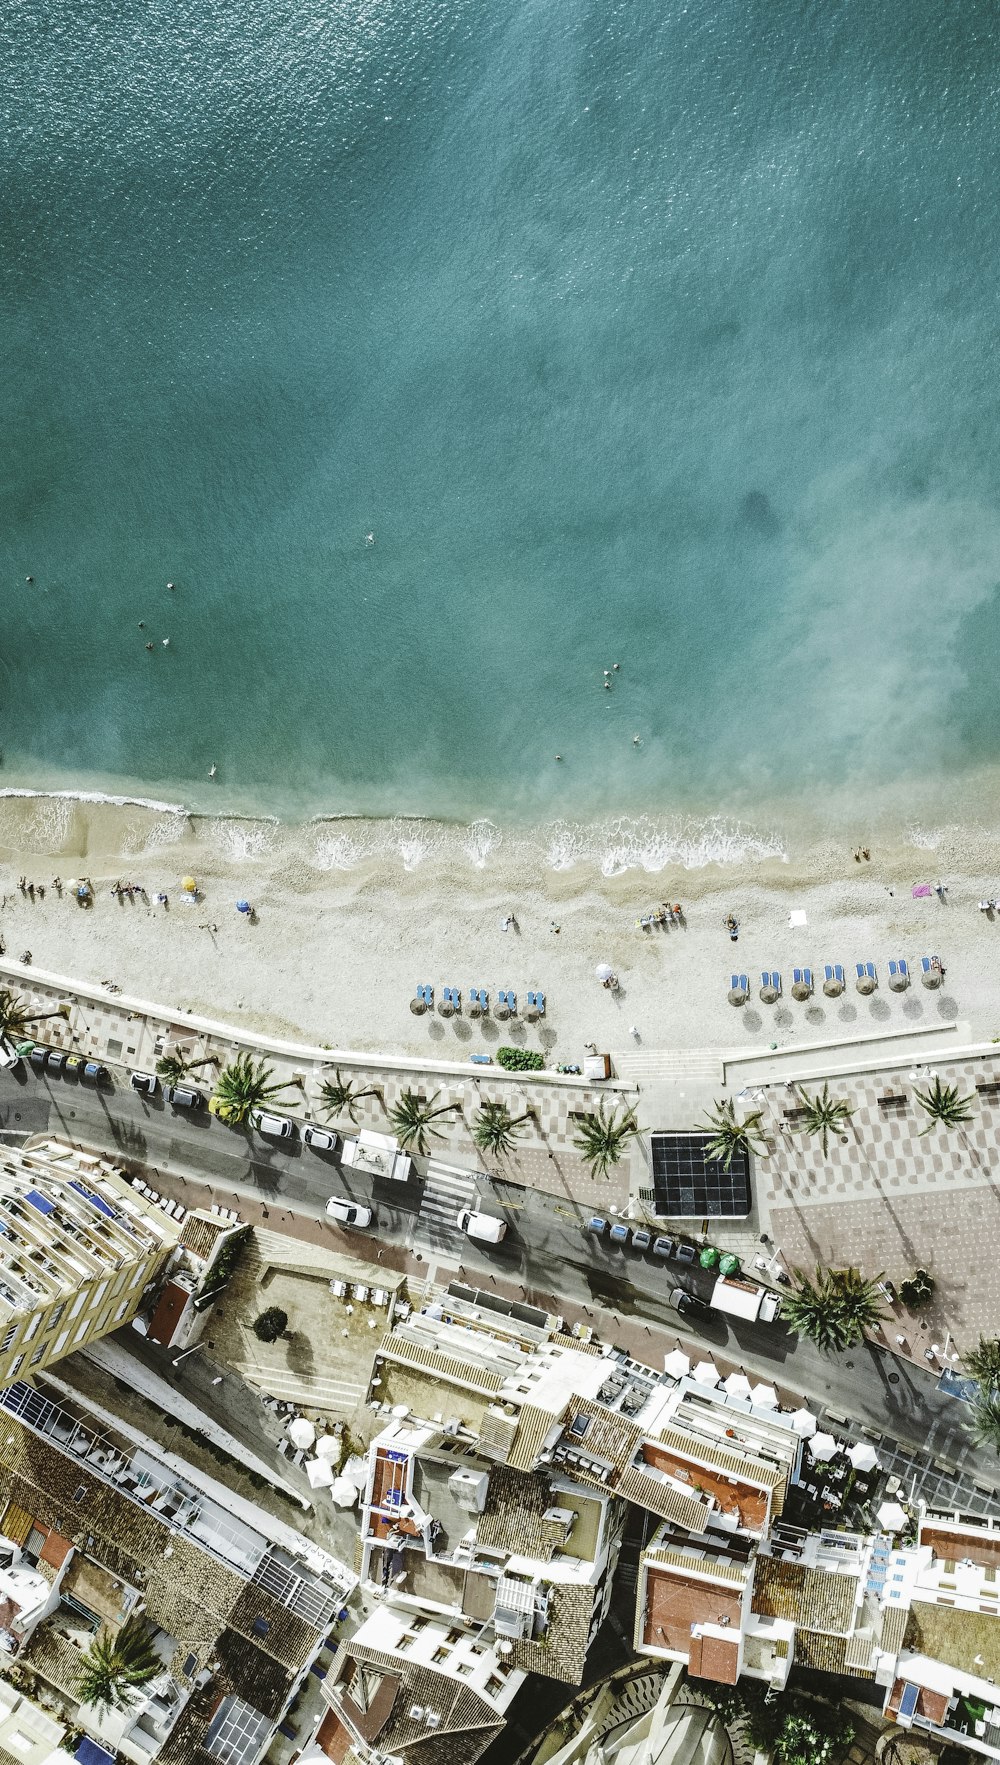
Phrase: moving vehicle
[276,1127]
[146,1083]
[482,1225]
[688,1304]
[349,1213]
[182,1097]
[95,1073]
[320,1139]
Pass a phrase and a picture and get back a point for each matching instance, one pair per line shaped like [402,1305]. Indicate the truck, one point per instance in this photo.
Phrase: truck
[737,1296]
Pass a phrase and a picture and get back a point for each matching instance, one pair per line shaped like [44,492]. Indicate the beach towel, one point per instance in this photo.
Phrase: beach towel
[919,889]
[797,917]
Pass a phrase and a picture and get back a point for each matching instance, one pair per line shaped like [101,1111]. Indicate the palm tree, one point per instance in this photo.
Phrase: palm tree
[341,1096]
[116,1664]
[945,1106]
[983,1418]
[813,1310]
[173,1070]
[824,1115]
[730,1136]
[602,1138]
[495,1130]
[242,1086]
[412,1117]
[17,1017]
[983,1362]
[860,1303]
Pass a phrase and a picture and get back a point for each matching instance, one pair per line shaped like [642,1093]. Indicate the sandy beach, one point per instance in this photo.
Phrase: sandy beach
[351,916]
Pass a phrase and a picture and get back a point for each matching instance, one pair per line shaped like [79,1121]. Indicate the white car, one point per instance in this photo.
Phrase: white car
[482,1225]
[349,1213]
[276,1127]
[320,1139]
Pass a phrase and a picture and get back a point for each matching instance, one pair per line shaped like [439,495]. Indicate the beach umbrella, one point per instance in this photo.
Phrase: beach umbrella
[343,1492]
[862,1456]
[73,884]
[800,990]
[677,1363]
[189,885]
[243,907]
[892,1517]
[328,1447]
[866,983]
[604,971]
[833,987]
[765,1397]
[804,1422]
[301,1433]
[319,1473]
[932,977]
[737,1385]
[706,1373]
[823,1447]
[418,1007]
[769,995]
[445,1007]
[501,1011]
[356,1471]
[738,995]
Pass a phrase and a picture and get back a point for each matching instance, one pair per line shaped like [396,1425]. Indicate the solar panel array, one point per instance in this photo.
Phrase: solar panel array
[687,1185]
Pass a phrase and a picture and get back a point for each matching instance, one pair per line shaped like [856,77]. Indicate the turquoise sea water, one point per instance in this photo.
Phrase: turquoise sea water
[657,333]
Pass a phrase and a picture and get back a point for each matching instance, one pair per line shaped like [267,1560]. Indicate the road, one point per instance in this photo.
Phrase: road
[546,1250]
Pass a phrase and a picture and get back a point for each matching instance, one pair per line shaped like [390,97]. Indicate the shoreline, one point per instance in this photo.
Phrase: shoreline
[353,915]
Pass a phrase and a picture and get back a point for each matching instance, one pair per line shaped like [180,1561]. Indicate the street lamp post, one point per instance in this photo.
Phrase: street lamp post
[177,1358]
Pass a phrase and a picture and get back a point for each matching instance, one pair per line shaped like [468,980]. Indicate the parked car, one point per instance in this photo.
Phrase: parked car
[770,1308]
[349,1213]
[276,1127]
[95,1073]
[688,1304]
[146,1083]
[597,1225]
[320,1139]
[182,1097]
[663,1247]
[620,1233]
[9,1057]
[484,1226]
[641,1239]
[55,1060]
[685,1253]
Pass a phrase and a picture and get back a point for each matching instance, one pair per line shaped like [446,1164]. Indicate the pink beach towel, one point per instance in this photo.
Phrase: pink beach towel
[919,889]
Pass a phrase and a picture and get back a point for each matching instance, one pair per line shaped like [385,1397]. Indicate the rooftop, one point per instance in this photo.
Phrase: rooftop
[967,1640]
[677,1601]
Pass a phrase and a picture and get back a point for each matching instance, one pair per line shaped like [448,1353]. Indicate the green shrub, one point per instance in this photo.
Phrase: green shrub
[271,1324]
[520,1059]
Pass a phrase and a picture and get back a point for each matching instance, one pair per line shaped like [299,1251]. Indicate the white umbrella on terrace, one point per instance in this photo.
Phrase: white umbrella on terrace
[320,1473]
[862,1456]
[891,1516]
[301,1433]
[737,1385]
[344,1492]
[804,1422]
[706,1373]
[677,1363]
[765,1397]
[328,1447]
[823,1447]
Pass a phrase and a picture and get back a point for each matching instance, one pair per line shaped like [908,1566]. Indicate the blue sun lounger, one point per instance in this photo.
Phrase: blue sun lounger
[426,994]
[539,1003]
[899,974]
[484,999]
[833,971]
[738,983]
[456,998]
[770,980]
[866,971]
[512,1003]
[473,995]
[802,977]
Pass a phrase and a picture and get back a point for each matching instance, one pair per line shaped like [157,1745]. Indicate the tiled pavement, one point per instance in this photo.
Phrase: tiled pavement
[888,1198]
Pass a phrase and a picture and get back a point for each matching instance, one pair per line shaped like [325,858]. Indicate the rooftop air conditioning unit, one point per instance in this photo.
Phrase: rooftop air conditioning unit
[433,1718]
[416,1712]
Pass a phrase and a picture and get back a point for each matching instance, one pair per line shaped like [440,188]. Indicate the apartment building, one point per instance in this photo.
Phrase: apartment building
[29,1734]
[417,1688]
[78,1248]
[527,1554]
[99,1524]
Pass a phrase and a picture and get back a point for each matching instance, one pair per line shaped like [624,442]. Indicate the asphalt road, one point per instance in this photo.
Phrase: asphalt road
[547,1250]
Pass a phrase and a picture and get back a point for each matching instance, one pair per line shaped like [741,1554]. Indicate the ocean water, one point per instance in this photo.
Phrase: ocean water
[652,334]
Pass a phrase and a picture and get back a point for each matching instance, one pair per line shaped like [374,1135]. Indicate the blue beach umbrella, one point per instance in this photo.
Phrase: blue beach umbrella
[243,907]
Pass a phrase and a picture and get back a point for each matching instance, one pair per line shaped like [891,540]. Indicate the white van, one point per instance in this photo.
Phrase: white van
[482,1225]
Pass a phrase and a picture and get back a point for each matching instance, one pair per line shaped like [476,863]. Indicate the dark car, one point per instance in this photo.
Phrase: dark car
[685,1253]
[38,1058]
[183,1098]
[55,1060]
[641,1239]
[688,1304]
[95,1073]
[663,1247]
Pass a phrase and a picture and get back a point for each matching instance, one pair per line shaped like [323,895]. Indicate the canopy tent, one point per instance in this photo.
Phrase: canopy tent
[319,1472]
[892,1517]
[344,1492]
[328,1447]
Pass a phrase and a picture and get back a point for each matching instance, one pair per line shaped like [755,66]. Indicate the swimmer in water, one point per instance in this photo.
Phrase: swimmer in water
[369,539]
[212,770]
[149,646]
[166,641]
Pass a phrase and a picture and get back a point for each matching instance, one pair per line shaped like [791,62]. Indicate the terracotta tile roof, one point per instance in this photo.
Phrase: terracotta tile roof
[816,1598]
[733,1495]
[563,1653]
[828,1654]
[715,1657]
[893,1628]
[467,1722]
[646,1491]
[497,1434]
[932,1704]
[202,1232]
[448,1367]
[512,1520]
[532,1428]
[950,1547]
[677,1601]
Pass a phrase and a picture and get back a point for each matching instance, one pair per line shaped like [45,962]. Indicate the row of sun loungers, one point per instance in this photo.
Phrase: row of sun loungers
[866,980]
[479,1002]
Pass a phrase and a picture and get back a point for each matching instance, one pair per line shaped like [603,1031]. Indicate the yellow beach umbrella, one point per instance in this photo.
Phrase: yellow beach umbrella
[190,885]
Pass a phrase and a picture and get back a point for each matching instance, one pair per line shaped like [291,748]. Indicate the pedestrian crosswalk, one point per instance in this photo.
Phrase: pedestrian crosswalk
[446,1192]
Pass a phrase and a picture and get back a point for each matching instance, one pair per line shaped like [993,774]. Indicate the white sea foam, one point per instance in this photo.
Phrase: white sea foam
[99,797]
[479,840]
[337,852]
[926,839]
[641,843]
[245,840]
